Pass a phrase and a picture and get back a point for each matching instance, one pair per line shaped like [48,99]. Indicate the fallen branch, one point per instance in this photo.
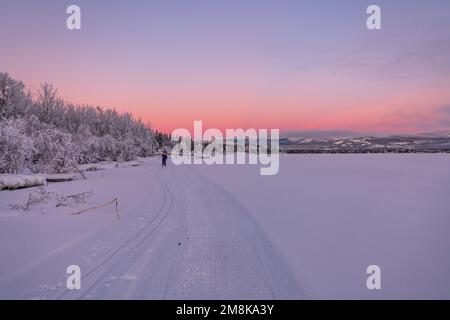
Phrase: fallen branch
[65,201]
[60,177]
[80,172]
[39,196]
[115,200]
[18,181]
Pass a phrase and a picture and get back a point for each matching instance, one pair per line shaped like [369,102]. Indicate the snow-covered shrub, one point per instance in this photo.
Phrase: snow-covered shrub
[16,148]
[50,135]
[88,147]
[13,99]
[54,151]
[107,148]
[126,147]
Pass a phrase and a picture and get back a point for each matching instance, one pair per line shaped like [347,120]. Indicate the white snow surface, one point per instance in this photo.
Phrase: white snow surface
[332,216]
[225,232]
[179,237]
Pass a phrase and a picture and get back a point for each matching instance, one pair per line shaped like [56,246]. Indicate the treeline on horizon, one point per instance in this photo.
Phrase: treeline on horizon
[48,134]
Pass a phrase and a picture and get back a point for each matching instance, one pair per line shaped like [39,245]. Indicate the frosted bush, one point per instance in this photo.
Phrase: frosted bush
[54,151]
[16,148]
[50,135]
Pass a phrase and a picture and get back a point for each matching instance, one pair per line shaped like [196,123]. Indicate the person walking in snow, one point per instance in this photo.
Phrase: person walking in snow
[164,158]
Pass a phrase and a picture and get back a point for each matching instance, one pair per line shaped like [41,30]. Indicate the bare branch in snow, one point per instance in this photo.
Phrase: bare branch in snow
[67,201]
[34,198]
[115,200]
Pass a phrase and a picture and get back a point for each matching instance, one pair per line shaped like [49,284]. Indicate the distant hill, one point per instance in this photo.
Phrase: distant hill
[426,142]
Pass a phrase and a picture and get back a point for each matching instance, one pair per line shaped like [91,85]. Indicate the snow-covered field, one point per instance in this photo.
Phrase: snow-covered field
[333,215]
[227,232]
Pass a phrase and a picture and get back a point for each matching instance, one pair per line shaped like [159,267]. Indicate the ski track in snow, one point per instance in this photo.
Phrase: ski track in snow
[198,242]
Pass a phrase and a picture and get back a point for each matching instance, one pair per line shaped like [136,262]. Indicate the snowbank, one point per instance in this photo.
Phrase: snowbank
[109,165]
[16,181]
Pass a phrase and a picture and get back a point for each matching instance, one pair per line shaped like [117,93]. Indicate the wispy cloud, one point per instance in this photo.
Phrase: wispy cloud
[414,61]
[432,119]
[445,110]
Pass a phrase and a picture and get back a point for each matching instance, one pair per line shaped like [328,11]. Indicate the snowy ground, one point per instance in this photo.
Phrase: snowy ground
[179,236]
[227,232]
[333,215]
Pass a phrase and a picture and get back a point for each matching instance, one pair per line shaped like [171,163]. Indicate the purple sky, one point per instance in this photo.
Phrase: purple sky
[294,65]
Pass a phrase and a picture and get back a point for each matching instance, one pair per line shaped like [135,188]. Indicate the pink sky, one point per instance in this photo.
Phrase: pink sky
[231,66]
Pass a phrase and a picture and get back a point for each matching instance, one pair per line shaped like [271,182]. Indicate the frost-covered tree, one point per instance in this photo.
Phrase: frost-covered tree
[53,148]
[13,99]
[62,135]
[16,146]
